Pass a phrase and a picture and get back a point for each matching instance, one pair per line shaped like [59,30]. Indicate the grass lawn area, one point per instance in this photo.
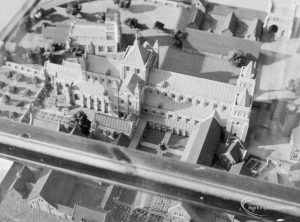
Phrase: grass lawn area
[177,142]
[154,136]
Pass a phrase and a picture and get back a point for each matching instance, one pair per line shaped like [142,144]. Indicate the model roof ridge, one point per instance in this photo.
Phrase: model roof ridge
[249,70]
[137,54]
[112,117]
[243,98]
[186,76]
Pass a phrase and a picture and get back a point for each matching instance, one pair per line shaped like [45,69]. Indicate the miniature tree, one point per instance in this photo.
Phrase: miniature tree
[73,8]
[2,85]
[101,17]
[6,99]
[81,120]
[35,81]
[19,77]
[294,85]
[236,58]
[12,89]
[20,104]
[27,92]
[132,22]
[12,115]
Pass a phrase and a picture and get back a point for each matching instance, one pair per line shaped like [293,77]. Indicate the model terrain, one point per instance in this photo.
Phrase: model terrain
[194,82]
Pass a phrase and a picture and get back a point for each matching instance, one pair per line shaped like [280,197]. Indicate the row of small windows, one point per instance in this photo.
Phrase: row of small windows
[122,101]
[189,99]
[96,79]
[22,68]
[241,114]
[169,116]
[134,69]
[106,48]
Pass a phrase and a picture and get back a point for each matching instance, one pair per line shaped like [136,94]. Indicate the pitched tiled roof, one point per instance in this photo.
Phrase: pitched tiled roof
[88,30]
[203,143]
[255,29]
[196,17]
[243,98]
[68,72]
[121,125]
[100,65]
[131,83]
[248,70]
[195,86]
[91,88]
[229,23]
[137,54]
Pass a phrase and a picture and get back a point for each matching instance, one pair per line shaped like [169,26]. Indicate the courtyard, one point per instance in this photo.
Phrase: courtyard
[17,92]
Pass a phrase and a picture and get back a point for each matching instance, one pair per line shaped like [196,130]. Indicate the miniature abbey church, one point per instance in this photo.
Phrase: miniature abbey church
[134,85]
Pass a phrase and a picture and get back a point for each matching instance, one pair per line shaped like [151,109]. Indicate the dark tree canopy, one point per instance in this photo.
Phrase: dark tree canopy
[81,120]
[237,58]
[132,22]
[13,115]
[74,8]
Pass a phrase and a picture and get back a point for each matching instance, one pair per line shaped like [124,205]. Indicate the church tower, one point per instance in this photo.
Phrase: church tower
[238,122]
[138,59]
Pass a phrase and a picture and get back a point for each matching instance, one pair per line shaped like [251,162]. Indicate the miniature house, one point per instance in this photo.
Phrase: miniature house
[233,154]
[255,30]
[229,24]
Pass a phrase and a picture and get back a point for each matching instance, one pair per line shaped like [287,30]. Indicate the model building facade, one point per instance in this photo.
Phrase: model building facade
[101,38]
[135,85]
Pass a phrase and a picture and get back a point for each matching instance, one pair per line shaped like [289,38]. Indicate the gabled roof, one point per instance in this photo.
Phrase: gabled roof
[87,30]
[55,187]
[235,150]
[137,54]
[254,30]
[68,72]
[196,17]
[131,83]
[203,143]
[114,123]
[91,88]
[100,65]
[243,98]
[229,23]
[194,86]
[249,70]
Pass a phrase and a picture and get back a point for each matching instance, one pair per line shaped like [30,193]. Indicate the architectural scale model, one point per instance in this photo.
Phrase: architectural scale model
[188,88]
